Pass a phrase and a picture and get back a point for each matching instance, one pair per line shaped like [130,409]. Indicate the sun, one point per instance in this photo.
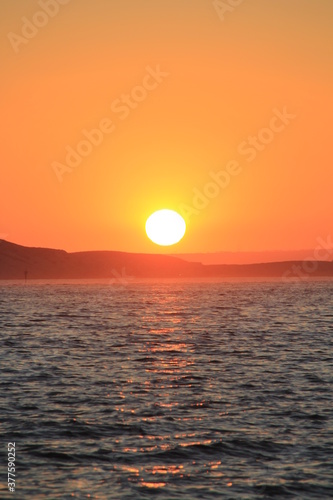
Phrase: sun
[165,227]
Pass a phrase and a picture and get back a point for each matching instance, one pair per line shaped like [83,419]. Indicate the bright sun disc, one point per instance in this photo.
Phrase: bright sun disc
[165,227]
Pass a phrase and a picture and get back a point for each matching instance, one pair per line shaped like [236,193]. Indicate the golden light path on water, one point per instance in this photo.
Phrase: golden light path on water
[186,389]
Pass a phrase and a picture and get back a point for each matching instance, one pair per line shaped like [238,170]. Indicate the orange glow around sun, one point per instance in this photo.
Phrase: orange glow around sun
[110,110]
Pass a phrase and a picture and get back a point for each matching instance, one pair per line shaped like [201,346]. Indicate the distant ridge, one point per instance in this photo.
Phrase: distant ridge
[46,263]
[218,258]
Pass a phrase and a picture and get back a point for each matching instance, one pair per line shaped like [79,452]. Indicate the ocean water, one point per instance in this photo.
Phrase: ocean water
[169,390]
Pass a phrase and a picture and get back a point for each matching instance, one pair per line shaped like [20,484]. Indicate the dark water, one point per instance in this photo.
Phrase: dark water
[168,391]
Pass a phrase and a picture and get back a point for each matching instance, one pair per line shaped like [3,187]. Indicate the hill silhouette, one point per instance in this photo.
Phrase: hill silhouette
[46,263]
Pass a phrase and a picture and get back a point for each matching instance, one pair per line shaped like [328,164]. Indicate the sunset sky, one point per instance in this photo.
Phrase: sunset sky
[182,93]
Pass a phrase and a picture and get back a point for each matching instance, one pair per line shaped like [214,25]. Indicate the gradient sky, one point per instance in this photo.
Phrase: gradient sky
[225,78]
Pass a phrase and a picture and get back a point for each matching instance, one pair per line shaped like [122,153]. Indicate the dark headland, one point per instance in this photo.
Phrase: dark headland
[46,263]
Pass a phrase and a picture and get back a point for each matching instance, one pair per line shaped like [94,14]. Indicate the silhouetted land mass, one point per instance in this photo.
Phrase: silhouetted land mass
[243,257]
[18,262]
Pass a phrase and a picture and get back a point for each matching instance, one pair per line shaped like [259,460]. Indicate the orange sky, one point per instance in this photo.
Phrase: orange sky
[222,82]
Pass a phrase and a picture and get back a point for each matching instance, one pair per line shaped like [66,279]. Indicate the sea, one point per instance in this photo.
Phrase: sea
[170,389]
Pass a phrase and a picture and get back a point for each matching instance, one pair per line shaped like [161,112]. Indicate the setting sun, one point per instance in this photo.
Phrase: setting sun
[165,227]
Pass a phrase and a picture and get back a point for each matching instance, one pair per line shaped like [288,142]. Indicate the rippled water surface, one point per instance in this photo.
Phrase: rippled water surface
[173,390]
